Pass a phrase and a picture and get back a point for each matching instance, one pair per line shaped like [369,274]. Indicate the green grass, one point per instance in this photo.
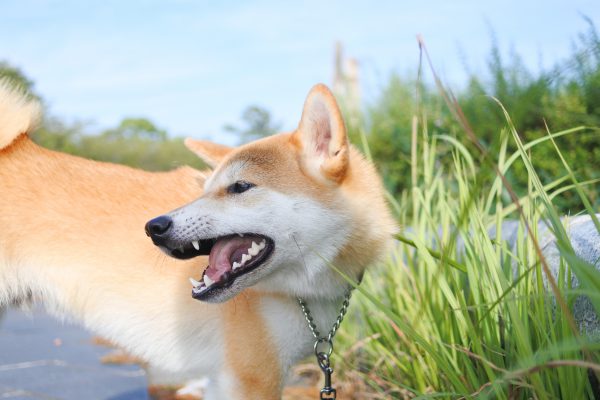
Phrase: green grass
[487,321]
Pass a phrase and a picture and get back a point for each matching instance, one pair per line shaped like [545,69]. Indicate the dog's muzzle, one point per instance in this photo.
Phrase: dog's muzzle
[230,256]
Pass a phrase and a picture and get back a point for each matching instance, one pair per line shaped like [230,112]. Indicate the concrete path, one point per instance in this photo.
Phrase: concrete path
[42,358]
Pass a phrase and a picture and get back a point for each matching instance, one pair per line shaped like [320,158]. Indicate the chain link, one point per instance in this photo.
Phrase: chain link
[328,392]
[336,325]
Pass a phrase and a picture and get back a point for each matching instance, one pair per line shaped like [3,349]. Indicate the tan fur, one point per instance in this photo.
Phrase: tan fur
[210,152]
[73,238]
[249,355]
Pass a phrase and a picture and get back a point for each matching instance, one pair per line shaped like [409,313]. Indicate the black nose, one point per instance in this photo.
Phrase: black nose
[159,226]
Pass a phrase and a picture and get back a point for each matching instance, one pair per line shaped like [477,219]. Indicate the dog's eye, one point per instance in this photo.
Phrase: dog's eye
[239,187]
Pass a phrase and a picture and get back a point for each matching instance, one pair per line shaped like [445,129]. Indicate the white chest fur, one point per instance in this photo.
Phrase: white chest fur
[289,329]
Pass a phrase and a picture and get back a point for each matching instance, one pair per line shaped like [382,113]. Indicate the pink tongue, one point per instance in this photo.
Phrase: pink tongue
[224,252]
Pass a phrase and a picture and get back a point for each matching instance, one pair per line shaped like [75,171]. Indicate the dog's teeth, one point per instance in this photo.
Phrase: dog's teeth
[240,234]
[262,244]
[207,281]
[235,265]
[195,283]
[254,249]
[196,244]
[245,258]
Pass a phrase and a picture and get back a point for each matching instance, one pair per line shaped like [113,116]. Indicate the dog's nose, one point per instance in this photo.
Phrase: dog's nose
[159,226]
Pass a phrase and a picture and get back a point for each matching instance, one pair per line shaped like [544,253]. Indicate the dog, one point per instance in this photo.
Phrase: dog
[260,229]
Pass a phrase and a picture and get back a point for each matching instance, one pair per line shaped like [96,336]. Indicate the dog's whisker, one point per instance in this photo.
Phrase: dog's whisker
[159,260]
[299,250]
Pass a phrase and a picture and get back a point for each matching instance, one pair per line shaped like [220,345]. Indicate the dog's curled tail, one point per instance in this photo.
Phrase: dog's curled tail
[19,113]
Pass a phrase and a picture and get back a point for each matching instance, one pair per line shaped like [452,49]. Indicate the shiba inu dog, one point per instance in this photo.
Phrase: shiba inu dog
[270,216]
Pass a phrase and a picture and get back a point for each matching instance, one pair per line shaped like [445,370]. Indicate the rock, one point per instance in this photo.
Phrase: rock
[585,240]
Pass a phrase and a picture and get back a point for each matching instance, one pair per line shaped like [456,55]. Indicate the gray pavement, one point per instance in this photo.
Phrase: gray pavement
[42,358]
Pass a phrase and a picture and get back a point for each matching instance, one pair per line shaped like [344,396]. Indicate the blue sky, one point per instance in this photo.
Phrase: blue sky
[193,66]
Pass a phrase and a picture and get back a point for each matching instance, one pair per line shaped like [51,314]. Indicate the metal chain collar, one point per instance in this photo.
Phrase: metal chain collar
[323,354]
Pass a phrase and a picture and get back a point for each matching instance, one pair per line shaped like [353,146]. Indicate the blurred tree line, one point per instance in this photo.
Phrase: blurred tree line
[137,142]
[566,96]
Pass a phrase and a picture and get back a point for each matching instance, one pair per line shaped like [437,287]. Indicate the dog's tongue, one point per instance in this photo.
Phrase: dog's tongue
[224,252]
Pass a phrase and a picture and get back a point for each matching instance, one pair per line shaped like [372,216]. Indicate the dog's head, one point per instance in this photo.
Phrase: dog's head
[277,211]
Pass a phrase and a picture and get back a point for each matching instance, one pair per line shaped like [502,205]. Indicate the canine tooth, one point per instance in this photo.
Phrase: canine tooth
[196,244]
[194,282]
[207,281]
[262,245]
[254,249]
[235,265]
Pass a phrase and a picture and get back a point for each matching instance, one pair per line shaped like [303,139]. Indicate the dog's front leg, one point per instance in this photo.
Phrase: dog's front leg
[251,369]
[255,384]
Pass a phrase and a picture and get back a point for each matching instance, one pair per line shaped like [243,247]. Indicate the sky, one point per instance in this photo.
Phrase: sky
[193,66]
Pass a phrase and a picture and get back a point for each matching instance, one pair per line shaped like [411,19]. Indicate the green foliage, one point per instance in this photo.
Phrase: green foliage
[135,142]
[257,123]
[565,97]
[455,312]
[136,128]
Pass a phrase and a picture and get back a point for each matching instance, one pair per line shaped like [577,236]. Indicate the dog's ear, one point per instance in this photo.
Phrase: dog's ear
[321,136]
[211,153]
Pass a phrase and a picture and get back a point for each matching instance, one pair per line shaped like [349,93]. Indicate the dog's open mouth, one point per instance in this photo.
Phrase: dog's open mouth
[229,257]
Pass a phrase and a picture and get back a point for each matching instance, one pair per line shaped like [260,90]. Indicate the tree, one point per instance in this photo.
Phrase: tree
[135,128]
[258,123]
